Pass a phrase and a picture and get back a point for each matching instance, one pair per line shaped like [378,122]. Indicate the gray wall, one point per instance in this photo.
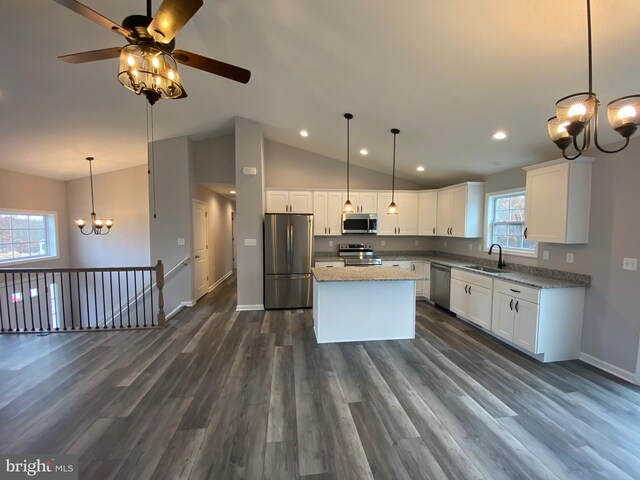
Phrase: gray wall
[27,192]
[173,205]
[612,312]
[122,195]
[289,167]
[249,212]
[219,211]
[214,160]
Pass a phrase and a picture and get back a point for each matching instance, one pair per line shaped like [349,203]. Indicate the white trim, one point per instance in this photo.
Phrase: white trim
[637,381]
[176,310]
[227,275]
[249,308]
[607,367]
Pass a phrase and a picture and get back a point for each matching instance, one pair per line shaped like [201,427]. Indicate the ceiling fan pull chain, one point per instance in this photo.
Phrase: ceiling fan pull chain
[151,157]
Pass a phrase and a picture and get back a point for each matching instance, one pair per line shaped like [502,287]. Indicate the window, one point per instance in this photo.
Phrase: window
[27,236]
[505,223]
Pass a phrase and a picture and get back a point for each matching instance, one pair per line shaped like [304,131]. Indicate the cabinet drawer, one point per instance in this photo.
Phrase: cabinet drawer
[474,278]
[402,264]
[329,264]
[519,291]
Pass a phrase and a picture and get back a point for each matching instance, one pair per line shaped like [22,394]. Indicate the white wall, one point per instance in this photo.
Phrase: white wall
[27,192]
[122,195]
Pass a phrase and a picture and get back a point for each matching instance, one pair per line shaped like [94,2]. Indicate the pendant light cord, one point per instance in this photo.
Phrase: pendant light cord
[93,207]
[589,46]
[393,178]
[151,156]
[348,197]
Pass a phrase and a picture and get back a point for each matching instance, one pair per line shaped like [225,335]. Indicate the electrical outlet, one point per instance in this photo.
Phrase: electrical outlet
[545,254]
[331,243]
[630,264]
[417,242]
[569,257]
[479,247]
[181,241]
[471,247]
[383,243]
[444,244]
[250,242]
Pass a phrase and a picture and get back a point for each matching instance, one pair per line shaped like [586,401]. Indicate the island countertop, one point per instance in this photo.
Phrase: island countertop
[364,274]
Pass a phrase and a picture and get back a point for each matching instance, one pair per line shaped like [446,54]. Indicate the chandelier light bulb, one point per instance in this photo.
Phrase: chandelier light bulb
[134,73]
[348,207]
[131,61]
[563,127]
[626,112]
[155,62]
[577,110]
[108,223]
[98,223]
[171,75]
[80,222]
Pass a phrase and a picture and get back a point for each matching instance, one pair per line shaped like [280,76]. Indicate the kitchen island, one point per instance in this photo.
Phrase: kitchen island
[353,304]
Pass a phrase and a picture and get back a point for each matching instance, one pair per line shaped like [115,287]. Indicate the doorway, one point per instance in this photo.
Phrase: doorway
[200,249]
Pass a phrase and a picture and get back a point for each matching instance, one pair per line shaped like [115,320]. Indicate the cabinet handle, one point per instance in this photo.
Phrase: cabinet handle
[434,230]
[469,289]
[526,230]
[511,304]
[413,268]
[517,303]
[398,229]
[465,288]
[514,290]
[329,266]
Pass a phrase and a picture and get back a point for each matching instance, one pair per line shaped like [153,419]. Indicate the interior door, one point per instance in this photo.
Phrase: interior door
[200,251]
[503,315]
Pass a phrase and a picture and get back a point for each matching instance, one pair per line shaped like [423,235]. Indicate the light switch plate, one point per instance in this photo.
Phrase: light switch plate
[181,241]
[471,247]
[417,242]
[331,243]
[479,247]
[444,244]
[383,243]
[630,264]
[250,242]
[569,257]
[545,254]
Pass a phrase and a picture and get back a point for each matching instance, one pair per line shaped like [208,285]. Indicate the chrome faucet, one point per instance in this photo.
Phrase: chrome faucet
[501,263]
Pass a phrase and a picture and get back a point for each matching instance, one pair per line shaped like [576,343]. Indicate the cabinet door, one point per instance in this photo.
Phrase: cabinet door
[418,268]
[459,298]
[320,214]
[526,325]
[480,300]
[334,213]
[404,264]
[445,205]
[277,201]
[368,202]
[546,204]
[502,322]
[387,224]
[459,211]
[427,213]
[408,216]
[300,202]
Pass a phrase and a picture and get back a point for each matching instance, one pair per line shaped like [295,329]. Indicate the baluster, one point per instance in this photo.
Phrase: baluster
[33,322]
[120,298]
[86,298]
[6,291]
[64,315]
[1,316]
[24,309]
[79,302]
[14,299]
[135,295]
[160,284]
[126,272]
[104,302]
[153,318]
[144,301]
[39,302]
[46,298]
[113,313]
[95,299]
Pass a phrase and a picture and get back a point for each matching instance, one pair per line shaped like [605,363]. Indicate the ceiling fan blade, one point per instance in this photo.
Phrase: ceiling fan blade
[171,17]
[94,16]
[92,56]
[212,66]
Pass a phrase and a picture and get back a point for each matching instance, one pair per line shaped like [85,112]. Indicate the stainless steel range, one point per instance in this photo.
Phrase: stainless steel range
[359,255]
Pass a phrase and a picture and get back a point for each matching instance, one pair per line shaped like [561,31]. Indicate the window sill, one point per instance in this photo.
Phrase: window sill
[516,253]
[16,263]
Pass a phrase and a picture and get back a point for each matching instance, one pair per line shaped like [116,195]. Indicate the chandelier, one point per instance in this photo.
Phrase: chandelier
[150,71]
[97,224]
[577,115]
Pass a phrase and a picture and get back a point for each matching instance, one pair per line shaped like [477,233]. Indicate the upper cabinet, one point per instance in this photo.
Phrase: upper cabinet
[289,201]
[427,213]
[327,213]
[558,201]
[363,202]
[406,221]
[459,210]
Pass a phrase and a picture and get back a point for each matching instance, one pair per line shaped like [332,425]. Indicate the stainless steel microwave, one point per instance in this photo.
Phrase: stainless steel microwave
[359,223]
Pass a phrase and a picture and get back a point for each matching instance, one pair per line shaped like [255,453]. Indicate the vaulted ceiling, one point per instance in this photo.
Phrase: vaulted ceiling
[447,73]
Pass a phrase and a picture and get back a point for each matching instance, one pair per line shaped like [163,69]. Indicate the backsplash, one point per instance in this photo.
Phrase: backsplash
[391,243]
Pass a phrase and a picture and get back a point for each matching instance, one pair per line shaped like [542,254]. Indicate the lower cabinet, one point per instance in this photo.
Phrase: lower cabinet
[471,297]
[515,316]
[397,263]
[423,287]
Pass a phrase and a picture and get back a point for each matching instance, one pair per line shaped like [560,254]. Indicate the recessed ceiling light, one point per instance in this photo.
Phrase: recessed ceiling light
[364,151]
[304,133]
[499,135]
[232,192]
[420,168]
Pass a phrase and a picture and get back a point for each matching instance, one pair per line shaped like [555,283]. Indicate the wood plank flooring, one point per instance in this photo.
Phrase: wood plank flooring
[250,395]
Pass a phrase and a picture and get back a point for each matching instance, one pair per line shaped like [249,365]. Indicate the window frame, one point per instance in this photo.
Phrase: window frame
[489,209]
[52,236]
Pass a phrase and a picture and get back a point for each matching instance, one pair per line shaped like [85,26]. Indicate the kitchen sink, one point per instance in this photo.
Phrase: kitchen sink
[482,268]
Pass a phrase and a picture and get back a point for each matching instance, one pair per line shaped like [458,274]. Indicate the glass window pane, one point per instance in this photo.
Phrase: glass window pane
[502,216]
[20,236]
[37,236]
[517,202]
[502,204]
[5,220]
[20,250]
[5,236]
[501,230]
[36,249]
[515,229]
[36,221]
[20,221]
[517,216]
[502,240]
[513,241]
[529,245]
[6,252]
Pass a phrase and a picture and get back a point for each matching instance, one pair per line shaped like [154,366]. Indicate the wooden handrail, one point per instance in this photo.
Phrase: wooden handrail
[73,270]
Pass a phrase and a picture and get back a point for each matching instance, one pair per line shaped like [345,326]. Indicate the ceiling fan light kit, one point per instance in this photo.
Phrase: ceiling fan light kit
[97,224]
[577,114]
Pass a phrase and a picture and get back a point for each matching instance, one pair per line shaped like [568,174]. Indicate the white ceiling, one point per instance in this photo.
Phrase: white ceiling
[447,73]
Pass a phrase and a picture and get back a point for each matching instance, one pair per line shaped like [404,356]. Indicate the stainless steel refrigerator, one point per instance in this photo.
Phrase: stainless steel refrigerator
[288,258]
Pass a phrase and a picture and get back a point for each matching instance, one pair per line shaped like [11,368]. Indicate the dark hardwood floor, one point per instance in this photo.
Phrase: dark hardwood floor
[220,394]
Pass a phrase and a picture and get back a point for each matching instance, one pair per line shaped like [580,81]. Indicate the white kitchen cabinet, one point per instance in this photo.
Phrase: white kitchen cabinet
[423,286]
[459,210]
[363,201]
[327,213]
[558,201]
[397,263]
[546,323]
[329,264]
[427,213]
[406,221]
[289,201]
[471,297]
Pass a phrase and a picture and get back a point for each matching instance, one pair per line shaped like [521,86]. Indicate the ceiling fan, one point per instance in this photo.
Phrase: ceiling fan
[148,63]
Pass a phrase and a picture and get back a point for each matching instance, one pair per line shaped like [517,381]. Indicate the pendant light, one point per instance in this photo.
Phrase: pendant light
[392,209]
[576,113]
[97,224]
[348,206]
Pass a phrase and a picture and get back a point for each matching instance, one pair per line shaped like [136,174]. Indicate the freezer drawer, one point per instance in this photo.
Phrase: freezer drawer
[288,291]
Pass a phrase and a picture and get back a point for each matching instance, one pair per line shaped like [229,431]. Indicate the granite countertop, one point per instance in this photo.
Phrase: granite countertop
[363,274]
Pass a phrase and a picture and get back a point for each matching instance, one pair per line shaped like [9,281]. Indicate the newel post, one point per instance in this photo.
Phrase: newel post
[160,284]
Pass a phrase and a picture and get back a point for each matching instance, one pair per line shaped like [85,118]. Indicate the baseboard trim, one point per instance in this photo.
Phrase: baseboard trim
[607,367]
[227,275]
[182,305]
[249,308]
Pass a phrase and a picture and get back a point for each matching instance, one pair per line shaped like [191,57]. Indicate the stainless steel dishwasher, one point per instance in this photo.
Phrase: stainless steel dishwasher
[441,285]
